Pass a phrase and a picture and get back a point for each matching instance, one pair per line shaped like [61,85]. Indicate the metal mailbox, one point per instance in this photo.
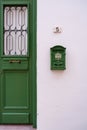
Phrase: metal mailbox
[58,57]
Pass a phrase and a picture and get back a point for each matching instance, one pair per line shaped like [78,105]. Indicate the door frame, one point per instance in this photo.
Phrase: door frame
[34,62]
[32,53]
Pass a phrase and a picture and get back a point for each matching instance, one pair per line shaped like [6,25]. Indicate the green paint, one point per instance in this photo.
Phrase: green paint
[18,80]
[58,58]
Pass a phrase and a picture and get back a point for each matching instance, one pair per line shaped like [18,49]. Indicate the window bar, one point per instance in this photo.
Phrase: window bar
[9,16]
[21,23]
[9,40]
[15,28]
[9,45]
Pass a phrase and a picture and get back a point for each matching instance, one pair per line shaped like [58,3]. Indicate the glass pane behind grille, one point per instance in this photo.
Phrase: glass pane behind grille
[15,30]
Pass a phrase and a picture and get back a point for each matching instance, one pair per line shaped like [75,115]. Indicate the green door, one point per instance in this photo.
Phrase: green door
[17,74]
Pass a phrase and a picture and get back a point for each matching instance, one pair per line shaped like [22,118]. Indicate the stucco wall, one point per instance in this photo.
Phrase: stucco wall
[62,95]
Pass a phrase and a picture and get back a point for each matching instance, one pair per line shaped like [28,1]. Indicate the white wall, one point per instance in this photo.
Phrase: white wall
[62,95]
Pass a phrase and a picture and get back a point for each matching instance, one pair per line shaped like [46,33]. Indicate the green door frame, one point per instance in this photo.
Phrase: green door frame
[32,53]
[33,64]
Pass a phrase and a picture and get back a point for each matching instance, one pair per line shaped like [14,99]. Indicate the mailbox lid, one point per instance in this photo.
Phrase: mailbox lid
[58,47]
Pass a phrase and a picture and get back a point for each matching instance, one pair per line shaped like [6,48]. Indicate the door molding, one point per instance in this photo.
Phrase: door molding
[34,62]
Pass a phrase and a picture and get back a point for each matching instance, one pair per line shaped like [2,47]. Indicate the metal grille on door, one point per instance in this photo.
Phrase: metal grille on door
[15,30]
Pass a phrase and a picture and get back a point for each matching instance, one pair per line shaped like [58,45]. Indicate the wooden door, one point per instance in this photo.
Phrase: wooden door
[16,95]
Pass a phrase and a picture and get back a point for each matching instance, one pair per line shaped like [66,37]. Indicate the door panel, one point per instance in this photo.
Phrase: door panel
[15,97]
[15,118]
[16,93]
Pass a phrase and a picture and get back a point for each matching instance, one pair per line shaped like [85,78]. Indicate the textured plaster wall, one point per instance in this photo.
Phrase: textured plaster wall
[62,95]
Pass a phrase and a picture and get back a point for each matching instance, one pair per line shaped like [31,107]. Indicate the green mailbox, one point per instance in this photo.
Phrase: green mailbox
[58,57]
